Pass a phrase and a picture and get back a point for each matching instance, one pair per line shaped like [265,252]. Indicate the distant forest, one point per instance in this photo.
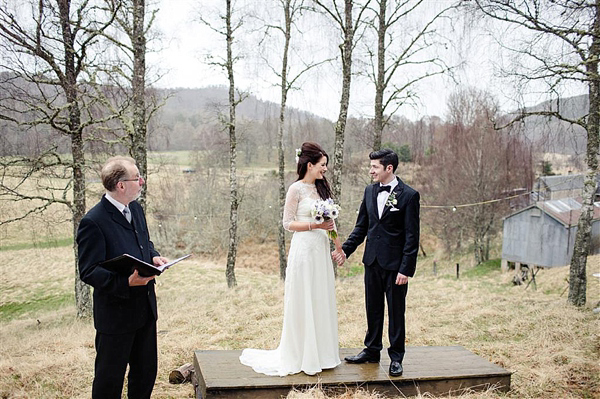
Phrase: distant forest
[190,120]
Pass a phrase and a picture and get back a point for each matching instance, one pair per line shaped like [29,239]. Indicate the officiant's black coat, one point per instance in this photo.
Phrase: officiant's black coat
[103,234]
[391,248]
[124,316]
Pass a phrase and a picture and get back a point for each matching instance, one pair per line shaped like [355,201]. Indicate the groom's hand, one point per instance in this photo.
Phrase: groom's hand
[339,256]
[401,279]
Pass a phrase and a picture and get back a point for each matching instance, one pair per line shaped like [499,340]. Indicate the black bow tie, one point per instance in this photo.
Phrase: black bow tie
[384,188]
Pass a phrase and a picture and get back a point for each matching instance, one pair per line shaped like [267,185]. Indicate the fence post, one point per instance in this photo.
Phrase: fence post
[457,271]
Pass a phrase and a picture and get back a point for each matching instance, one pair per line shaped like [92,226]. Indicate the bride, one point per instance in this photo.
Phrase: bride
[309,339]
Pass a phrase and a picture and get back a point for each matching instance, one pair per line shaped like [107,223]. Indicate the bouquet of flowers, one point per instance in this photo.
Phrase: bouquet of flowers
[325,210]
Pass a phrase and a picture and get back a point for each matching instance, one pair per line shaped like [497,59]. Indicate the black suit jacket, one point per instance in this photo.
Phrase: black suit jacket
[103,234]
[393,240]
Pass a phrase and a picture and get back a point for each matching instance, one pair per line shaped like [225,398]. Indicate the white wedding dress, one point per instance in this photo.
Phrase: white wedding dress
[309,338]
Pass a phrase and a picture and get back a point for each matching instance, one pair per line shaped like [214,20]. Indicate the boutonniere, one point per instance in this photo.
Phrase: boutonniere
[392,201]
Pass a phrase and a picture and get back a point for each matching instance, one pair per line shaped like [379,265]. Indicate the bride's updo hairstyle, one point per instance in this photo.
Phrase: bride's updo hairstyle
[312,152]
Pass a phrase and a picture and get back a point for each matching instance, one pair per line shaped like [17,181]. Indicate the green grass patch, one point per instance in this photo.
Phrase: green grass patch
[60,242]
[350,270]
[483,269]
[181,158]
[13,310]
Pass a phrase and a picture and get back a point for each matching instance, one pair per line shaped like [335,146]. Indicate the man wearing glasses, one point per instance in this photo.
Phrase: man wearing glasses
[124,303]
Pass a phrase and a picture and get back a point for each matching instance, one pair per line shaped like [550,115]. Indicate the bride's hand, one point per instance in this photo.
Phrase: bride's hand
[326,225]
[339,256]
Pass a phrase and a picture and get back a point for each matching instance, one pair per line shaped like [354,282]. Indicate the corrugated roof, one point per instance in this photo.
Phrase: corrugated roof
[562,205]
[565,210]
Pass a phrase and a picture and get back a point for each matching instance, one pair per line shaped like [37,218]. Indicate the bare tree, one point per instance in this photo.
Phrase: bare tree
[127,78]
[401,49]
[472,167]
[341,12]
[233,184]
[288,78]
[559,42]
[231,26]
[138,136]
[48,57]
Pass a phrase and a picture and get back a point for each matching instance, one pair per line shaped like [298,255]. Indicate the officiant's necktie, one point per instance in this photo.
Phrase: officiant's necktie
[127,214]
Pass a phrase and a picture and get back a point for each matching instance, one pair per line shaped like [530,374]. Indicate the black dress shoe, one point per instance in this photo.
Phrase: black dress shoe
[362,357]
[395,369]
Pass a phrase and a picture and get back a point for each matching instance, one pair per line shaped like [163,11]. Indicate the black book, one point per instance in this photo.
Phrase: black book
[128,263]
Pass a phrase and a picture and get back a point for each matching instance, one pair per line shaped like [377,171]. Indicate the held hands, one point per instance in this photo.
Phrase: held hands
[339,256]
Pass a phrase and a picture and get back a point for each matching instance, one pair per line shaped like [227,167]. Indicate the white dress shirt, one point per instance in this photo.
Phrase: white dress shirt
[119,206]
[383,196]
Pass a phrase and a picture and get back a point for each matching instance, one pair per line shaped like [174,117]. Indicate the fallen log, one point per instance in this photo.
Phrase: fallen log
[181,374]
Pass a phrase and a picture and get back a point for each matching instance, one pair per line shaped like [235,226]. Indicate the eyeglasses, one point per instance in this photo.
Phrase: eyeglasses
[139,178]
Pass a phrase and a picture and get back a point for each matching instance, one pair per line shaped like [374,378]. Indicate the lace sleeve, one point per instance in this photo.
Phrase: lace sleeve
[291,206]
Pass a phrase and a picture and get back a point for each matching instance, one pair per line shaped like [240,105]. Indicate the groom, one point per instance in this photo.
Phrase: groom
[389,220]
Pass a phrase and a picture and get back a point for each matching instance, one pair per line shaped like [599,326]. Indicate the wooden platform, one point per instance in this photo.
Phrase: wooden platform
[438,370]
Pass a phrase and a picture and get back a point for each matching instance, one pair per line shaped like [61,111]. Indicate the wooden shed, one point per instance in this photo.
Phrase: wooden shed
[560,186]
[543,234]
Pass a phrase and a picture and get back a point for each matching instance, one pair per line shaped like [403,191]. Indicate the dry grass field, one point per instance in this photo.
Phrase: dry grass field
[552,348]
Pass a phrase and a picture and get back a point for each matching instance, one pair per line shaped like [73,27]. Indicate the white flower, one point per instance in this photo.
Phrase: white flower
[391,201]
[323,210]
[298,153]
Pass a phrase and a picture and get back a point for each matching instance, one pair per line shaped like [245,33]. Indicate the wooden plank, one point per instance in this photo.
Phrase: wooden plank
[469,365]
[234,373]
[364,372]
[437,370]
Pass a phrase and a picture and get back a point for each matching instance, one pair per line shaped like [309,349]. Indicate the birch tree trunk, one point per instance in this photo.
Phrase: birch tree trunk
[347,26]
[292,9]
[380,77]
[577,272]
[138,84]
[281,155]
[340,126]
[233,184]
[83,300]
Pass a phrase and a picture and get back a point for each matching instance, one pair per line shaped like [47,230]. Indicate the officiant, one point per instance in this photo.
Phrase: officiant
[125,310]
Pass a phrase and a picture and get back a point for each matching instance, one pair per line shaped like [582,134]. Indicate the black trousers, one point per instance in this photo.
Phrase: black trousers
[381,284]
[114,352]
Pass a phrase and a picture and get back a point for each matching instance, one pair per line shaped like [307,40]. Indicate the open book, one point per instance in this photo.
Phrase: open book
[145,269]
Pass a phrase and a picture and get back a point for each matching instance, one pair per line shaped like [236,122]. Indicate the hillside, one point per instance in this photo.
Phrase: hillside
[555,136]
[191,119]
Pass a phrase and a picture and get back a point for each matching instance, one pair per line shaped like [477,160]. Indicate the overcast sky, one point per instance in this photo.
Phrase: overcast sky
[186,42]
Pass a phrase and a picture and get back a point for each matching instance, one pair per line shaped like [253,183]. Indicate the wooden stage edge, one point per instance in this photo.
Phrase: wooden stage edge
[436,370]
